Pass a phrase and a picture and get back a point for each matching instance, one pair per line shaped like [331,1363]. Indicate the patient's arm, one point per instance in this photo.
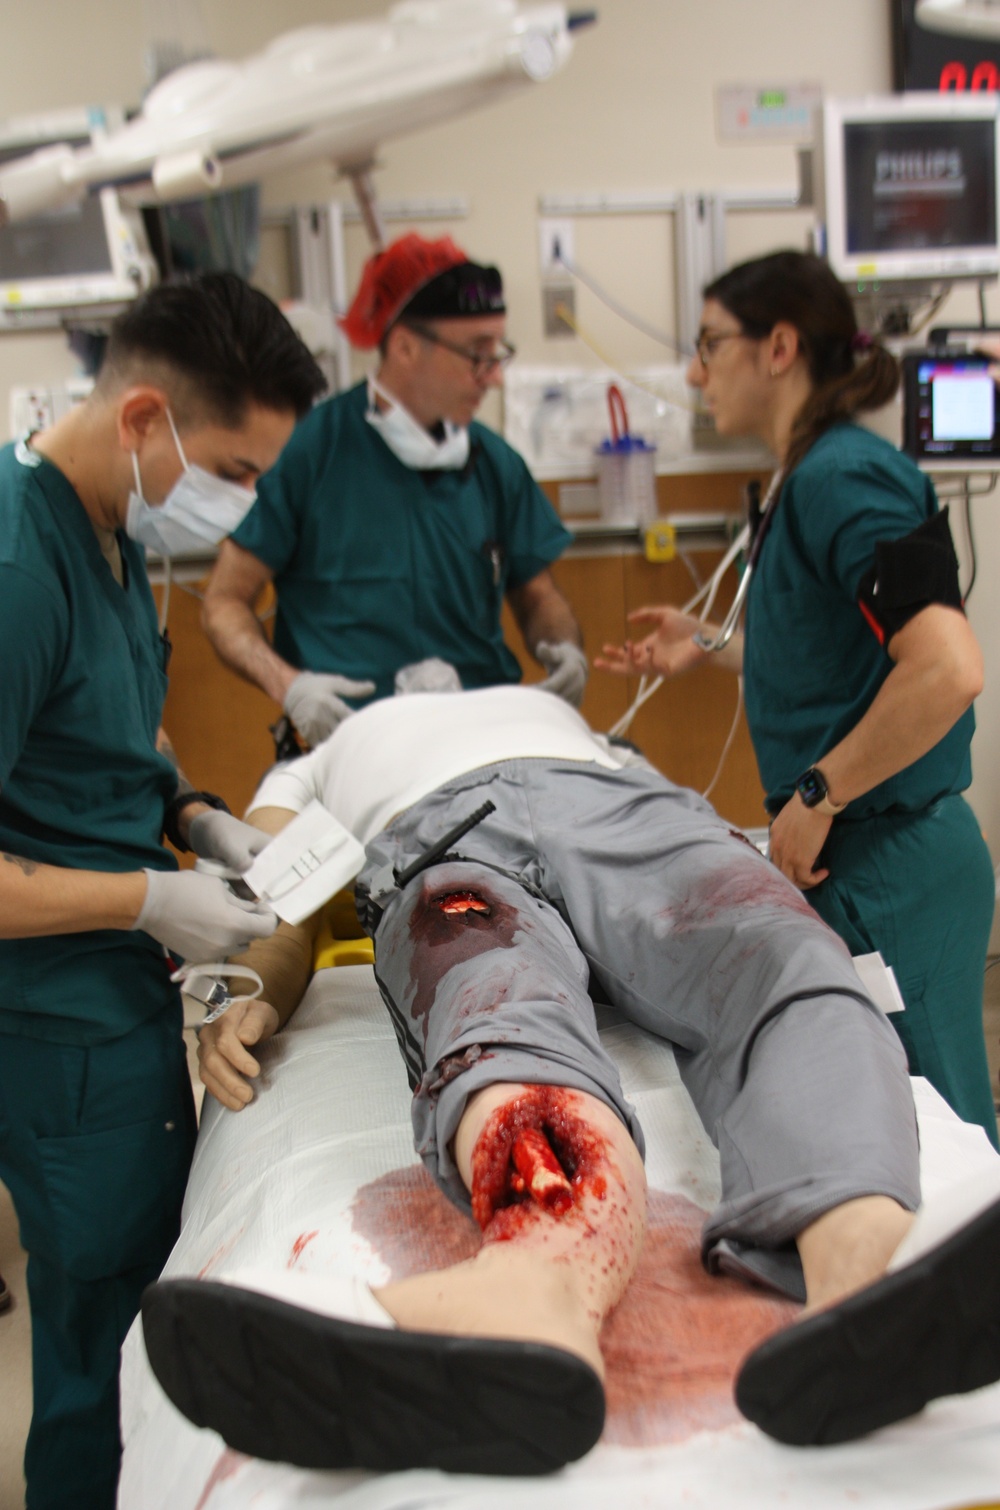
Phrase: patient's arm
[560,1243]
[284,964]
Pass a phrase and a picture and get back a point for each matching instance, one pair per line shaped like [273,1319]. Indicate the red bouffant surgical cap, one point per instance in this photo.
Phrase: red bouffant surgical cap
[426,279]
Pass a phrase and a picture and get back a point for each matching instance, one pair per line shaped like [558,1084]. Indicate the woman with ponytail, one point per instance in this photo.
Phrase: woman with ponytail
[860,665]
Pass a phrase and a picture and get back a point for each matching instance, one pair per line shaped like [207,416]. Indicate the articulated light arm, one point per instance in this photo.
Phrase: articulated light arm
[324,92]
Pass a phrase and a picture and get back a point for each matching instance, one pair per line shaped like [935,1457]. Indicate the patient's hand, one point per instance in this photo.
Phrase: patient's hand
[223,1061]
[669,651]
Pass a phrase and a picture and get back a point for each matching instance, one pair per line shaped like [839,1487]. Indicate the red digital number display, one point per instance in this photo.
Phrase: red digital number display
[955,77]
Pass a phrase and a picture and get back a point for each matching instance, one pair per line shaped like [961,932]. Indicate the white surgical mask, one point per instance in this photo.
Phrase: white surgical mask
[198,512]
[407,438]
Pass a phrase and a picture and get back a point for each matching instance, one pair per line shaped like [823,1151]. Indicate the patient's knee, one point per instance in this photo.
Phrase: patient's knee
[471,917]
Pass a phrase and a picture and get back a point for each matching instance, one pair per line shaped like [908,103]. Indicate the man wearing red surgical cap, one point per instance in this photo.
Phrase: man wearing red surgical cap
[394,525]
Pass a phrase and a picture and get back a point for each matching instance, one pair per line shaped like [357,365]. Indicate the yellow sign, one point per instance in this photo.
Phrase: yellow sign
[660,543]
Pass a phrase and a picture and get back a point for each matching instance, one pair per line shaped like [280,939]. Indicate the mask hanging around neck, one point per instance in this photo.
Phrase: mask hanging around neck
[409,441]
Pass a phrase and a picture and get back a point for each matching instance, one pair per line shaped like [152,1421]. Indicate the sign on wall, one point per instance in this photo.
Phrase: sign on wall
[925,59]
[776,112]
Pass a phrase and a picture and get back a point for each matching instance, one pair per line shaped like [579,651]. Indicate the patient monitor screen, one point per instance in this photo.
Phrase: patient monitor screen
[913,185]
[59,244]
[951,406]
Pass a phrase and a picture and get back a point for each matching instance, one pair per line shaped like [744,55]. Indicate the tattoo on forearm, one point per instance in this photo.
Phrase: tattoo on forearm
[166,748]
[27,866]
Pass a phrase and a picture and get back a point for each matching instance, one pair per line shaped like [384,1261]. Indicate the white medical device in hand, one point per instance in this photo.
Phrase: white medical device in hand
[306,864]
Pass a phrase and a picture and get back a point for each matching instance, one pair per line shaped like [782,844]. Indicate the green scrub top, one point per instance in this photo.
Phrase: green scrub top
[377,566]
[812,664]
[81,782]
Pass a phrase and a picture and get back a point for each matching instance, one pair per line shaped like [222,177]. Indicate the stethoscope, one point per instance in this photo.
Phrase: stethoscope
[756,536]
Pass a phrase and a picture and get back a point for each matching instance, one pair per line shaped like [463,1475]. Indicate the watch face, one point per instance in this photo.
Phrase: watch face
[811,788]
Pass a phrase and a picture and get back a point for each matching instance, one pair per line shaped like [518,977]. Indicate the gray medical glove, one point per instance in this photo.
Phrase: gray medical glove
[568,669]
[220,836]
[431,675]
[314,703]
[199,918]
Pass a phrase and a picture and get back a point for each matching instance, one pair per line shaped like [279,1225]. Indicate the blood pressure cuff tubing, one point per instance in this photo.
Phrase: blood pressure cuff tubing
[909,574]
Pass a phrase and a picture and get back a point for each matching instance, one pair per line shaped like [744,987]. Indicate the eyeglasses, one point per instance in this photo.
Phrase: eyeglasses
[708,342]
[483,362]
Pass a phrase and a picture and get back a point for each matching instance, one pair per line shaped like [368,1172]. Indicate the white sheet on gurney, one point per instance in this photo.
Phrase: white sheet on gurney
[275,1183]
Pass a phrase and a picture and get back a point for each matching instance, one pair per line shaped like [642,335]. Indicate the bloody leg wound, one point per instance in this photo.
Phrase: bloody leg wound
[536,1158]
[539,1172]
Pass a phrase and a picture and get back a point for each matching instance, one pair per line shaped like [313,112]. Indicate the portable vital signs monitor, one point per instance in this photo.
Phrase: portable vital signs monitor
[950,407]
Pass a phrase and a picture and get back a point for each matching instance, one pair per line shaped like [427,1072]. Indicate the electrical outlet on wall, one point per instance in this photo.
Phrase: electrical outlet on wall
[557,298]
[555,242]
[35,408]
[30,409]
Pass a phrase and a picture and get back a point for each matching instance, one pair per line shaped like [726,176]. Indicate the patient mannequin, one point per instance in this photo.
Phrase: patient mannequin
[598,1239]
[587,878]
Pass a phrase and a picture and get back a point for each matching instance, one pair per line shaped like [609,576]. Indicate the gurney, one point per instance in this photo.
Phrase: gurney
[319,1173]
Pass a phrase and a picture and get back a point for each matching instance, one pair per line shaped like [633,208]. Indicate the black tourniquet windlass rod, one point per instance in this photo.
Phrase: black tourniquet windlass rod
[439,851]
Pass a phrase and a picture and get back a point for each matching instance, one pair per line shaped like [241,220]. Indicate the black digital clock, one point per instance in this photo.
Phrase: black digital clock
[925,59]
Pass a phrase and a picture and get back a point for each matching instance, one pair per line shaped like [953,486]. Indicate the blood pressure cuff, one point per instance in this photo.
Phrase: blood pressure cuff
[909,574]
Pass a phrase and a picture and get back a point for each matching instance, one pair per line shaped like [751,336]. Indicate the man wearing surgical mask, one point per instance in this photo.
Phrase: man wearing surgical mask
[395,526]
[200,388]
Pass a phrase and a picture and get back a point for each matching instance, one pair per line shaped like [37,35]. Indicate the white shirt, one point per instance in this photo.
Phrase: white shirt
[387,756]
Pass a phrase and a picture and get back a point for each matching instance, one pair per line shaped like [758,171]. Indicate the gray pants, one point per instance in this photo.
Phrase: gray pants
[619,887]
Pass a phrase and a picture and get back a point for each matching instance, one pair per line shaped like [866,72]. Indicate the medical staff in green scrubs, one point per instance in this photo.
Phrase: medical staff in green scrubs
[200,388]
[860,665]
[394,527]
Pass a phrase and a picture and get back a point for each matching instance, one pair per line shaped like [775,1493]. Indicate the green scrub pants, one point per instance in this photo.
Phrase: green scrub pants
[919,887]
[95,1147]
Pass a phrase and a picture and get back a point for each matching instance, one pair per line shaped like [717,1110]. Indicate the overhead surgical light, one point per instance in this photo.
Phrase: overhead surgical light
[961,18]
[323,91]
[185,174]
[45,181]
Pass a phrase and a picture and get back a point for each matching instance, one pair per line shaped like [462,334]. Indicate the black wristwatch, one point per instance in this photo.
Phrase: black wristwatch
[174,808]
[812,788]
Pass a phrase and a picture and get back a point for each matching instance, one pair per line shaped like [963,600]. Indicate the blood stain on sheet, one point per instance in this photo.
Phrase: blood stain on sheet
[221,1252]
[299,1246]
[672,1347]
[228,1465]
[410,1225]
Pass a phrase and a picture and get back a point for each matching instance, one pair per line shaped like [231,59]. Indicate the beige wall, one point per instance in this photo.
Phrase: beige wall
[633,110]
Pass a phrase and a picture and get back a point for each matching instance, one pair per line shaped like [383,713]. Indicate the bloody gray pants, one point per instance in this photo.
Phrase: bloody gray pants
[619,886]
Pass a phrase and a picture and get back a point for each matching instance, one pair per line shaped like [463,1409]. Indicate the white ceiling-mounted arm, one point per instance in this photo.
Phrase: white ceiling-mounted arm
[334,92]
[44,181]
[962,18]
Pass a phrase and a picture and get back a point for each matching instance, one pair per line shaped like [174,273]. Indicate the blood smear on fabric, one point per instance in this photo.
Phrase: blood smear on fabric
[672,1347]
[299,1246]
[226,1467]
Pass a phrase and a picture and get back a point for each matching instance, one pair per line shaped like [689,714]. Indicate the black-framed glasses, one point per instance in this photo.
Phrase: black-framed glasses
[708,342]
[482,362]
